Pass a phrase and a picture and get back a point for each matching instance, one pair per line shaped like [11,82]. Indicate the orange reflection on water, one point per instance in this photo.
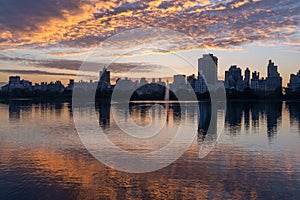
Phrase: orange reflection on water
[230,171]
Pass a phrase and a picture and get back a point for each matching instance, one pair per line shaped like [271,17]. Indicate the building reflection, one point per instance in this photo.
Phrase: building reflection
[176,109]
[207,122]
[53,162]
[18,109]
[103,109]
[273,113]
[204,119]
[294,113]
[238,115]
[247,109]
[14,111]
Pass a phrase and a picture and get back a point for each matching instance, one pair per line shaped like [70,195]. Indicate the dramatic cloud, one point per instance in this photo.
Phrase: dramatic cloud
[58,34]
[83,23]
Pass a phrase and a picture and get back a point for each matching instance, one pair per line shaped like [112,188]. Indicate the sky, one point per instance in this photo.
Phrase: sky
[50,40]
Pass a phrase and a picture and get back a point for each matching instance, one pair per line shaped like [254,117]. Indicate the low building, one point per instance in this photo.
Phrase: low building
[124,84]
[179,82]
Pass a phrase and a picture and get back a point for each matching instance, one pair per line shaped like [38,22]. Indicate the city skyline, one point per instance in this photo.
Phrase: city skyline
[38,73]
[199,83]
[208,68]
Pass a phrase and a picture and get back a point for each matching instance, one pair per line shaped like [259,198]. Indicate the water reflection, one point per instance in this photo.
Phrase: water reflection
[43,158]
[103,108]
[261,111]
[294,113]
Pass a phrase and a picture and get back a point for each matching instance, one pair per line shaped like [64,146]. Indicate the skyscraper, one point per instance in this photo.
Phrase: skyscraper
[179,81]
[272,70]
[208,67]
[104,76]
[104,79]
[191,80]
[247,77]
[255,81]
[294,83]
[234,78]
[273,81]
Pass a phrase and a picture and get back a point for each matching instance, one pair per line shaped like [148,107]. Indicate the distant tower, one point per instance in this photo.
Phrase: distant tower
[273,81]
[234,78]
[247,77]
[294,83]
[208,67]
[255,81]
[191,80]
[104,79]
[272,70]
[179,81]
[14,80]
[104,76]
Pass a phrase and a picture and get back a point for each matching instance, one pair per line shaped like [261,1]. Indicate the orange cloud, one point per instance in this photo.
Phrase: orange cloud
[85,24]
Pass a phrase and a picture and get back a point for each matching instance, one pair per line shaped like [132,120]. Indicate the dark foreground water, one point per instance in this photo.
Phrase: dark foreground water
[256,157]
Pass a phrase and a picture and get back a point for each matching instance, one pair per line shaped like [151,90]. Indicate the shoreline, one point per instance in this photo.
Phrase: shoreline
[38,99]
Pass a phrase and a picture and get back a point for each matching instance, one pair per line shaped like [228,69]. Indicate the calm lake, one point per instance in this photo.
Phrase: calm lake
[256,155]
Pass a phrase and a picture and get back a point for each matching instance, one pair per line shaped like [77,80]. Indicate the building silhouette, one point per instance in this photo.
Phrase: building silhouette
[273,81]
[104,79]
[208,67]
[15,82]
[254,84]
[200,85]
[191,80]
[247,77]
[179,82]
[294,83]
[234,78]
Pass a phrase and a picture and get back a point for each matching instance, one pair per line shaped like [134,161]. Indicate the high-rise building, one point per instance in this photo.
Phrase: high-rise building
[104,79]
[294,83]
[208,67]
[70,85]
[200,85]
[255,81]
[179,81]
[247,77]
[14,80]
[234,78]
[273,81]
[104,76]
[272,70]
[191,80]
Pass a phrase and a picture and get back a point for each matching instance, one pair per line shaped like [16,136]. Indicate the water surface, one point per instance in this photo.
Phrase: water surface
[257,155]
